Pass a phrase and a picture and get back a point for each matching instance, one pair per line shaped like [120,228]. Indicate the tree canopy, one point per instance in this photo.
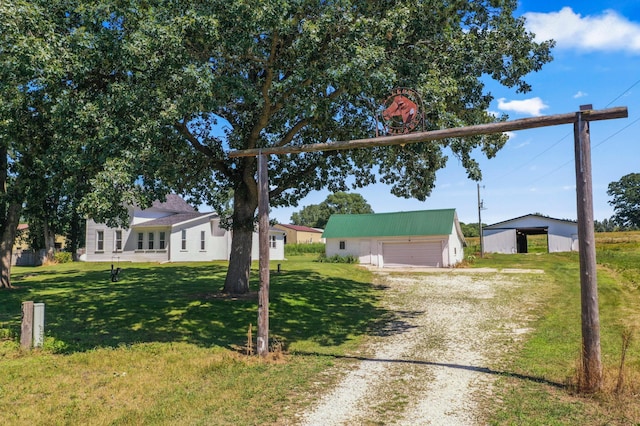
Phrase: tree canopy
[154,93]
[626,201]
[317,215]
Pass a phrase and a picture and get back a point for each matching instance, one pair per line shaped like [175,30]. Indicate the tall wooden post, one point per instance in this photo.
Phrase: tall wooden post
[263,240]
[591,356]
[480,223]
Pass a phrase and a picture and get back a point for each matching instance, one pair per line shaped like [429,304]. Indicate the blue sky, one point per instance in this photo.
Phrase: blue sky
[596,61]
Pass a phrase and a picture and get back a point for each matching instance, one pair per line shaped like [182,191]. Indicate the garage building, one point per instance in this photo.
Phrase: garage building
[511,235]
[425,238]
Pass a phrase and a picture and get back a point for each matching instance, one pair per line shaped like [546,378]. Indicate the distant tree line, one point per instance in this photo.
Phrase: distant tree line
[317,215]
[471,229]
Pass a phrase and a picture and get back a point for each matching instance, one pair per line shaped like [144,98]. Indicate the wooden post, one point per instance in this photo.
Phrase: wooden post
[591,356]
[263,240]
[480,223]
[26,329]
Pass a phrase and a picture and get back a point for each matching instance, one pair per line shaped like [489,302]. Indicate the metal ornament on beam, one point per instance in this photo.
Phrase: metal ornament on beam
[403,113]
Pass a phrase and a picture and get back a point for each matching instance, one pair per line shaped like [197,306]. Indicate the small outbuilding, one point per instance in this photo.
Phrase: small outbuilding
[296,234]
[425,238]
[511,235]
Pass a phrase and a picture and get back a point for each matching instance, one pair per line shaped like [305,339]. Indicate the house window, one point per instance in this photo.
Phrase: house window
[162,241]
[140,240]
[272,241]
[118,240]
[343,245]
[150,241]
[202,240]
[184,239]
[99,240]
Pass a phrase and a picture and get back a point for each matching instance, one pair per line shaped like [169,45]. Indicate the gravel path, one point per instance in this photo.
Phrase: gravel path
[430,364]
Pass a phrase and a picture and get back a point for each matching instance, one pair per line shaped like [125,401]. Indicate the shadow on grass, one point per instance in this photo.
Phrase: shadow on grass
[167,303]
[476,369]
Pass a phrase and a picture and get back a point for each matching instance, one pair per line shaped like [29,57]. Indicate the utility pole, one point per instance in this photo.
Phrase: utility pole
[480,207]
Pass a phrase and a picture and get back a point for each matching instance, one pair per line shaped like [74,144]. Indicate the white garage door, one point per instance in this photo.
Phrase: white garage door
[412,254]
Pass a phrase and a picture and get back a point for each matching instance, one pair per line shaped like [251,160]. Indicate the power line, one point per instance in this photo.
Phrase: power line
[568,134]
[533,158]
[594,147]
[623,93]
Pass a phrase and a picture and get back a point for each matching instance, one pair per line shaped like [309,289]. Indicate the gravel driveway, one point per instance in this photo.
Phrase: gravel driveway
[435,361]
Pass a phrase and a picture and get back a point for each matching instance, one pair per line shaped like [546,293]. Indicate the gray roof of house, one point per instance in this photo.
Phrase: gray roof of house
[171,220]
[173,203]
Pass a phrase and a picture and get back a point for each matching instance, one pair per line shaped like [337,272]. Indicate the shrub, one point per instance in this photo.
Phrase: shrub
[336,258]
[63,257]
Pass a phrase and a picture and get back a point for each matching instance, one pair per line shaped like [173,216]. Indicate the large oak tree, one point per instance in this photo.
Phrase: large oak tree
[176,86]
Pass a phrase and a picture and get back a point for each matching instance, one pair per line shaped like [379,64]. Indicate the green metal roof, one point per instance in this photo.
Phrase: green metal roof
[423,222]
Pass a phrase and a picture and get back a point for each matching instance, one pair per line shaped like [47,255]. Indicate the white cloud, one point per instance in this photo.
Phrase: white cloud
[532,106]
[580,94]
[608,31]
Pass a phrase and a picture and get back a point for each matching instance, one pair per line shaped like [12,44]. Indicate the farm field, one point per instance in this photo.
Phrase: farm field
[162,346]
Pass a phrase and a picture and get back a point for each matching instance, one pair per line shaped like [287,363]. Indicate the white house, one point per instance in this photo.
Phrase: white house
[510,236]
[170,231]
[431,238]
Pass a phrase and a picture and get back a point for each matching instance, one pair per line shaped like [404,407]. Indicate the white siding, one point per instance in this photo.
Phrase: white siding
[441,251]
[365,252]
[275,253]
[351,247]
[500,241]
[216,247]
[217,242]
[129,253]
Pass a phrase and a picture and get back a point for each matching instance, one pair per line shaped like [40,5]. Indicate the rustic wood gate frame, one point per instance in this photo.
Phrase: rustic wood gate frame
[591,353]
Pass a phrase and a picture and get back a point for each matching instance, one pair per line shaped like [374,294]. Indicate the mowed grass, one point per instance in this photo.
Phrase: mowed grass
[161,346]
[552,352]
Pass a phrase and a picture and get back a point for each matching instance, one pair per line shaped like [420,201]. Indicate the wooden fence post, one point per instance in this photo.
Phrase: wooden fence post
[591,356]
[26,329]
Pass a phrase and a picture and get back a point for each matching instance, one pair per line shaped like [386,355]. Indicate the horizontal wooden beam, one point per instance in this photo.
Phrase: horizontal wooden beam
[457,132]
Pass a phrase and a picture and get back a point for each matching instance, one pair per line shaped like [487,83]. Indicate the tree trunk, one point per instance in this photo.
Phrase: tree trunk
[245,203]
[49,242]
[74,237]
[9,232]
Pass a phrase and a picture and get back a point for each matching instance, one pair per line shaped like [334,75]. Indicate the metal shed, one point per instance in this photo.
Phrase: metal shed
[511,235]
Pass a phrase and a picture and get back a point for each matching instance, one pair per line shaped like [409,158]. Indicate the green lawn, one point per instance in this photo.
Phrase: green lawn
[162,346]
[552,353]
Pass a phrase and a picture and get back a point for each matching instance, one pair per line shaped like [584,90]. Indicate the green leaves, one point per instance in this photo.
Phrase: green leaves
[317,215]
[626,200]
[148,96]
